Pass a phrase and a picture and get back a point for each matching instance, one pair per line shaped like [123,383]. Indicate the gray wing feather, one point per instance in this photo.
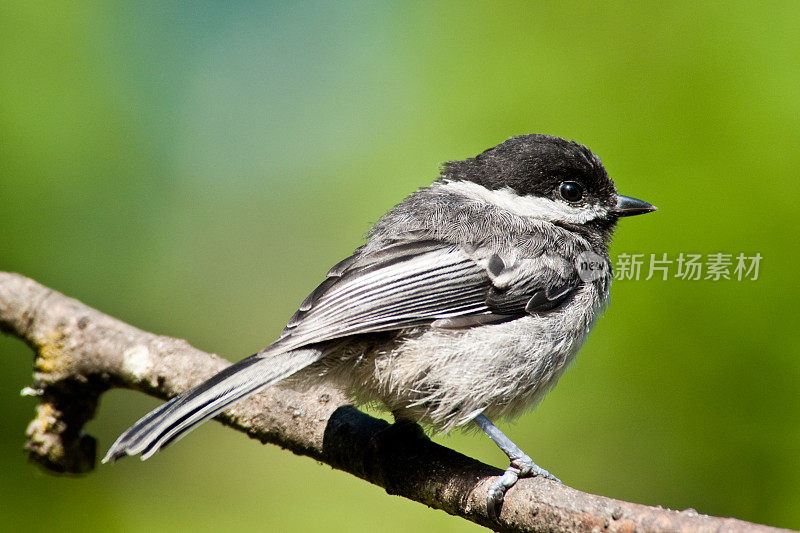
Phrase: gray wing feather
[406,287]
[427,282]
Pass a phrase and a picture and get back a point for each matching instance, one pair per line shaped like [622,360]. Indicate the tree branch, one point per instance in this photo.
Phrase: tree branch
[81,353]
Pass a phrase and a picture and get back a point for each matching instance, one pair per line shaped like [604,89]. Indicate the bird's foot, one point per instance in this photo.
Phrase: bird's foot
[522,466]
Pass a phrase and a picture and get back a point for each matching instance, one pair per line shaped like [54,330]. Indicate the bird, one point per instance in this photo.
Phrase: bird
[466,303]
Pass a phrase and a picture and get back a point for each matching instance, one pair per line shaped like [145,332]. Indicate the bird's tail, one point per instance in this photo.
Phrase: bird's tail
[180,415]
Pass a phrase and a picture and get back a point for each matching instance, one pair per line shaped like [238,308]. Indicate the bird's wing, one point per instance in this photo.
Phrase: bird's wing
[425,282]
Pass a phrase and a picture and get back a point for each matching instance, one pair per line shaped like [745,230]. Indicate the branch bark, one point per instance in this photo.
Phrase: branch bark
[81,353]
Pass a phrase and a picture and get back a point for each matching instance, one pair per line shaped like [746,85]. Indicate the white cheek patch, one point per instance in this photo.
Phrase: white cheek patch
[527,206]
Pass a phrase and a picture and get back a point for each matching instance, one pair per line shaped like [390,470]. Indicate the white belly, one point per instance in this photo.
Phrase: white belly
[446,377]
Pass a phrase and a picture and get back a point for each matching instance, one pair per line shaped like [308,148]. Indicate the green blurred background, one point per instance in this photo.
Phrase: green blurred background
[194,169]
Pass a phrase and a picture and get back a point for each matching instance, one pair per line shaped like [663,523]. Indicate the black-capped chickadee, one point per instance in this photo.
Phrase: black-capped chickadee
[468,301]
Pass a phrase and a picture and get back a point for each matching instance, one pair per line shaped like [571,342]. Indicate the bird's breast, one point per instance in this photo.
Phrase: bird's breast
[446,377]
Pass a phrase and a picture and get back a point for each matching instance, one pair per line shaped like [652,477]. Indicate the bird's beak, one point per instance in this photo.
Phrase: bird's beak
[627,206]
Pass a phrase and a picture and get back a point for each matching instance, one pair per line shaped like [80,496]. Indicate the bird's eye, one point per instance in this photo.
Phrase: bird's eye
[571,191]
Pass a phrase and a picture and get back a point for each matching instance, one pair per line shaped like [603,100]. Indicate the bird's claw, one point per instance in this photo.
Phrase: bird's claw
[538,471]
[497,491]
[520,467]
